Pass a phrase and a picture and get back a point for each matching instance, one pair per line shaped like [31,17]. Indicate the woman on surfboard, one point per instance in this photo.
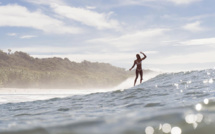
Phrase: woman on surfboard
[139,70]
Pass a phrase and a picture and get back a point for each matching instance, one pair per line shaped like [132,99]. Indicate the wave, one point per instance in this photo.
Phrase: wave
[180,102]
[186,119]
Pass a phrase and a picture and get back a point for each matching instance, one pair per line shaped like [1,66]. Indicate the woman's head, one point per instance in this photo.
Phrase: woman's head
[138,56]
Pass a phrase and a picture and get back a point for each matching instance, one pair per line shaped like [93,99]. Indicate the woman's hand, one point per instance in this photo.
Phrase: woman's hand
[143,55]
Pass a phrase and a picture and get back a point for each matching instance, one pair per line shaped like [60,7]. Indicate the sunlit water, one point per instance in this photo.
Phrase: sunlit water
[174,103]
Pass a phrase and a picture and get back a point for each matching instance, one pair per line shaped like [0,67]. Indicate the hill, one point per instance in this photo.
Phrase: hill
[20,70]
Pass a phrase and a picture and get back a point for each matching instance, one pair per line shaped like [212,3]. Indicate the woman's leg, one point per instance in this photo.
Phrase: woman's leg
[141,76]
[136,77]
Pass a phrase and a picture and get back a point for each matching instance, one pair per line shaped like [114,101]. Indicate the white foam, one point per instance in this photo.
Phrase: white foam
[13,95]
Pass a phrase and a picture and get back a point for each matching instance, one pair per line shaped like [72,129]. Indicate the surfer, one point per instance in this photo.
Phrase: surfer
[139,70]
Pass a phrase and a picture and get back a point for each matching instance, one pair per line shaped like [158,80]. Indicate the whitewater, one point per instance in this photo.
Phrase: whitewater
[174,103]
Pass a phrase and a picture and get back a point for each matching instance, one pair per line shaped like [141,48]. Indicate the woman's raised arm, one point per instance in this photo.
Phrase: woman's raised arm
[143,55]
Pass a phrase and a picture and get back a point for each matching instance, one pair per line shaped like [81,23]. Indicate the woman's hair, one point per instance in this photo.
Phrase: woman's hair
[138,56]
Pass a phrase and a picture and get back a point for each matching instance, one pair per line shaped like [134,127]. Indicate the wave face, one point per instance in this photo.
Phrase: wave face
[176,103]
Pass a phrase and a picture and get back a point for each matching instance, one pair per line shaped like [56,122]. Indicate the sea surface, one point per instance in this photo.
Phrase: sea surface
[169,103]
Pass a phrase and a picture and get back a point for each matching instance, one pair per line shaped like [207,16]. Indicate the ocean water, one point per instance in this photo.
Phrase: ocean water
[172,103]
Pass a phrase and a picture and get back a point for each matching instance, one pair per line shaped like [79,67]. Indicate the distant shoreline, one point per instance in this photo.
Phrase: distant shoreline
[20,70]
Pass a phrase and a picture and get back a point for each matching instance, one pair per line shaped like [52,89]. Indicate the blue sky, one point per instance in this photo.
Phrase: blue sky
[174,34]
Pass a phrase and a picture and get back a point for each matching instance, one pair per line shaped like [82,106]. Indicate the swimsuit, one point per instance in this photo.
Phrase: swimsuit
[139,70]
[138,63]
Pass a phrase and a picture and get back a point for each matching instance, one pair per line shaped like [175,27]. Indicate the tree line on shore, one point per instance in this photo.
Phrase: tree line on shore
[20,70]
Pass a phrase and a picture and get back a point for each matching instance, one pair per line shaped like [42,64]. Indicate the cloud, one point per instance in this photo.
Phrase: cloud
[47,49]
[198,57]
[153,2]
[197,42]
[28,36]
[194,27]
[90,7]
[19,16]
[82,15]
[183,2]
[11,34]
[86,17]
[58,49]
[133,40]
[45,2]
[22,37]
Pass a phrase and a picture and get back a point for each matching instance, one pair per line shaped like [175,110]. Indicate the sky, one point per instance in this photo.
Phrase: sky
[174,34]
